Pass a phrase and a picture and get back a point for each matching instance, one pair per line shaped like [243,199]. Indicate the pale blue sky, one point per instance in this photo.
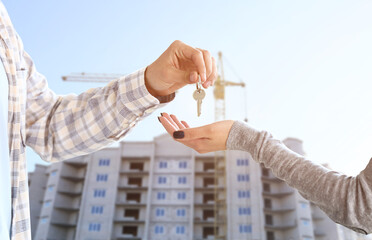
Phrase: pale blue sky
[307,64]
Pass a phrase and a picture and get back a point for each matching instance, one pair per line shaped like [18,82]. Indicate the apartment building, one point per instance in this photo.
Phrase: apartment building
[162,190]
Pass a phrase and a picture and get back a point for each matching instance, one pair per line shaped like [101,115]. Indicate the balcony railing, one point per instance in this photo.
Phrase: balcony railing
[281,226]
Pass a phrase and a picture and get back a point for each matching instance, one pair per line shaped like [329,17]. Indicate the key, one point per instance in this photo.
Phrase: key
[199,95]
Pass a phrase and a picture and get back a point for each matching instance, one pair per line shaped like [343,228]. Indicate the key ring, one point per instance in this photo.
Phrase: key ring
[198,84]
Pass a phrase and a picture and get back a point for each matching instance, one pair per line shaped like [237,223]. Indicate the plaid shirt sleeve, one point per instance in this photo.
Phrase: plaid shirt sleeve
[62,127]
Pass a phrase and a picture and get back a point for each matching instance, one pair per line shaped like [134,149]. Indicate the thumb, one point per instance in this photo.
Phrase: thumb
[190,133]
[184,77]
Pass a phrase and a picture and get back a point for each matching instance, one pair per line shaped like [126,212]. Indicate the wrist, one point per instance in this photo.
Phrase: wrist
[150,89]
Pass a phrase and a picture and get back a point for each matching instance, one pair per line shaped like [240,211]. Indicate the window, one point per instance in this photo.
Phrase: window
[242,162]
[161,195]
[243,177]
[181,212]
[104,162]
[303,205]
[181,180]
[160,212]
[163,164]
[53,173]
[182,164]
[94,227]
[244,194]
[270,236]
[99,193]
[244,211]
[47,203]
[159,229]
[269,219]
[267,203]
[102,177]
[180,229]
[305,222]
[50,188]
[266,187]
[245,228]
[265,172]
[162,180]
[44,220]
[96,210]
[181,195]
[307,238]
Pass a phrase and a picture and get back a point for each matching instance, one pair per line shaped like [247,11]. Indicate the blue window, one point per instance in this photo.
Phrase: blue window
[305,222]
[180,229]
[44,220]
[94,227]
[159,229]
[244,211]
[243,177]
[245,228]
[242,162]
[181,195]
[161,195]
[244,194]
[99,193]
[160,212]
[102,177]
[104,162]
[181,180]
[181,212]
[50,188]
[303,205]
[53,173]
[97,210]
[182,165]
[163,164]
[47,204]
[162,180]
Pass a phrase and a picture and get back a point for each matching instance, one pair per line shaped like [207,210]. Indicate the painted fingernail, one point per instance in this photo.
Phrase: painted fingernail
[161,114]
[178,134]
[159,119]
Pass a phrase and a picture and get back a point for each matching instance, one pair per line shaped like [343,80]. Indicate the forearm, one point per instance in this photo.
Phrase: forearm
[62,127]
[347,200]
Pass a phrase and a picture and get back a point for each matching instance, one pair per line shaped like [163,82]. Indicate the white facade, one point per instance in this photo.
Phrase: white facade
[163,190]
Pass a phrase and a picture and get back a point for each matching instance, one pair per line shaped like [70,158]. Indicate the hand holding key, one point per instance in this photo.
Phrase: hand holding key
[199,95]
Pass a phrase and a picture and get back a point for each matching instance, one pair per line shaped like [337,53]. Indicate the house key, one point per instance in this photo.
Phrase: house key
[199,95]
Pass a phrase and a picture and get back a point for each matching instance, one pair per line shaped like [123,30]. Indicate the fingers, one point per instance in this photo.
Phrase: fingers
[196,56]
[169,127]
[179,124]
[214,73]
[188,134]
[185,124]
[208,66]
[170,120]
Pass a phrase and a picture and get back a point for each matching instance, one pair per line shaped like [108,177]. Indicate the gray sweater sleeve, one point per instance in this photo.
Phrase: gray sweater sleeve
[346,200]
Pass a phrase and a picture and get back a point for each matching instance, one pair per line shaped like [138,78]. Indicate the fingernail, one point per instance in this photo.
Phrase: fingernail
[207,84]
[205,76]
[159,119]
[178,134]
[161,114]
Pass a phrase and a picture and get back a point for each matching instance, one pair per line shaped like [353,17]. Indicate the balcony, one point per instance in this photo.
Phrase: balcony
[281,226]
[70,193]
[130,220]
[278,210]
[64,224]
[318,233]
[74,178]
[130,203]
[69,208]
[277,194]
[271,179]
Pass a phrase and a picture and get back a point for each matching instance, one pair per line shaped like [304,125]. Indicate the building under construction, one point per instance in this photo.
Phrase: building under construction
[163,190]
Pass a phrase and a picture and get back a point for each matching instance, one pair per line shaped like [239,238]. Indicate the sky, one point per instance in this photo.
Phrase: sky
[307,65]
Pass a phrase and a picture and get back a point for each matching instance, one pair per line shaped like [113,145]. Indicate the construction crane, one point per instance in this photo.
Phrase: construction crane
[220,181]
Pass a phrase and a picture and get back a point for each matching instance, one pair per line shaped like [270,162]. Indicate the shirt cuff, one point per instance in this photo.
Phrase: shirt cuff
[136,97]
